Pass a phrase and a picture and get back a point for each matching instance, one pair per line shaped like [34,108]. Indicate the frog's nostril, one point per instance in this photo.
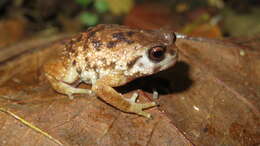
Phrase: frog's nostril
[170,37]
[173,37]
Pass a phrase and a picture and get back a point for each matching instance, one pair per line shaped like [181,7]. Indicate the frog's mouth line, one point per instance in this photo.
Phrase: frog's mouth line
[168,62]
[144,66]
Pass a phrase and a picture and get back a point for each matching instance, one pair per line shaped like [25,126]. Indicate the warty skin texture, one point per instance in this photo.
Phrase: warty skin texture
[107,56]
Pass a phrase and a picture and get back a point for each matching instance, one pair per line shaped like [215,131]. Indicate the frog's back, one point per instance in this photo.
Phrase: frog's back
[110,48]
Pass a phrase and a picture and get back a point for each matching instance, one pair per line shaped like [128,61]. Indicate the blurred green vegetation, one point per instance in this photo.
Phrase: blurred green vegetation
[117,7]
[91,18]
[75,15]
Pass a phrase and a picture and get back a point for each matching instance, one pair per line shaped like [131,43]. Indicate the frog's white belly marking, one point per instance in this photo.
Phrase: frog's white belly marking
[92,75]
[71,75]
[103,72]
[89,76]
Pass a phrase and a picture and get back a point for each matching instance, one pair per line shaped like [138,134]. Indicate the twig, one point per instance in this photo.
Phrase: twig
[30,125]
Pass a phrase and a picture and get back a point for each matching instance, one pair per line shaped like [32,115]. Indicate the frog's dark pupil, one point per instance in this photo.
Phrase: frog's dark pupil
[157,53]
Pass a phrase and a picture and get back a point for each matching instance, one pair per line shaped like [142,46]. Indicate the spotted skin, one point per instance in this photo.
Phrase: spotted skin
[107,56]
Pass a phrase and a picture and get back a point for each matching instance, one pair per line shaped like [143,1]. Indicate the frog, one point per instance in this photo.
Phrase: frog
[110,55]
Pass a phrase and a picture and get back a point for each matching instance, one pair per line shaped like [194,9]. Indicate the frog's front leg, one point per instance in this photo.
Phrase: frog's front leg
[103,88]
[62,78]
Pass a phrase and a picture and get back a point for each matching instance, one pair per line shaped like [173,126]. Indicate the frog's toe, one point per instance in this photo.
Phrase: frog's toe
[145,114]
[70,96]
[155,94]
[148,105]
[138,108]
[134,97]
[73,90]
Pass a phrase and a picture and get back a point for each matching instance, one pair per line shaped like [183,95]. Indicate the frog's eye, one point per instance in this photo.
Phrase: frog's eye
[157,53]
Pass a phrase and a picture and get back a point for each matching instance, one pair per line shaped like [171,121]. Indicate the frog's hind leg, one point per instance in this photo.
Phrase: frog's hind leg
[62,78]
[103,88]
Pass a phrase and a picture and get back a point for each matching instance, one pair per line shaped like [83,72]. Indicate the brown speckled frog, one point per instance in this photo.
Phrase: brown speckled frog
[107,56]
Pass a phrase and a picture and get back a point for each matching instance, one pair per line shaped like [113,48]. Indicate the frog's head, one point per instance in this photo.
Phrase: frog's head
[133,52]
[157,51]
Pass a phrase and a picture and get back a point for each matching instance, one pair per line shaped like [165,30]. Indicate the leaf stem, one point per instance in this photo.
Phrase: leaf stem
[30,125]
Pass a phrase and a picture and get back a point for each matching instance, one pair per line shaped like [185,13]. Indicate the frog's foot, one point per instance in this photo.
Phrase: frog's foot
[138,107]
[79,91]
